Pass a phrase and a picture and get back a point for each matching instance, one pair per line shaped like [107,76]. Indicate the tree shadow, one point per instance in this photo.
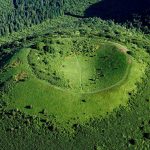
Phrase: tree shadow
[74,15]
[117,10]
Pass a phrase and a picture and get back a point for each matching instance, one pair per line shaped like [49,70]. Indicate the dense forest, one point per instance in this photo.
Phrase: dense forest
[18,14]
[24,13]
[71,6]
[132,13]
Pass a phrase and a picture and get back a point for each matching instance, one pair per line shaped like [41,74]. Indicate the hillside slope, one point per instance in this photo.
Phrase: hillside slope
[73,82]
[122,11]
[32,119]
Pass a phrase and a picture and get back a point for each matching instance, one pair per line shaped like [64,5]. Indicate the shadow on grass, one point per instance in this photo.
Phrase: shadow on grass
[118,10]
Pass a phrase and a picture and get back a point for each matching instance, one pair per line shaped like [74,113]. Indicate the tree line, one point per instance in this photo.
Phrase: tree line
[29,12]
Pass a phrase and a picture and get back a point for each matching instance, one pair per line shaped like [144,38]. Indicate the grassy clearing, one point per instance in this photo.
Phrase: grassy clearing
[67,107]
[80,65]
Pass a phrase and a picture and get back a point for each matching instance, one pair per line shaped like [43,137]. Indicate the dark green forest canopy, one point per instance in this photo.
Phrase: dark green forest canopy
[122,11]
[130,12]
[24,13]
[18,14]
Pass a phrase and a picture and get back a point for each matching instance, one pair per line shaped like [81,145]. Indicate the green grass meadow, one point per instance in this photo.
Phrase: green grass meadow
[69,106]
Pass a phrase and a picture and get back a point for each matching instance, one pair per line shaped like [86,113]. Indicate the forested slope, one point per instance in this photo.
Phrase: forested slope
[77,7]
[6,5]
[24,13]
[132,12]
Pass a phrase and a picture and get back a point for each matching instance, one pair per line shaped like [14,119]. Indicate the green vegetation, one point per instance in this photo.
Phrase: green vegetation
[30,73]
[81,65]
[5,6]
[25,13]
[125,128]
[72,6]
[74,83]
